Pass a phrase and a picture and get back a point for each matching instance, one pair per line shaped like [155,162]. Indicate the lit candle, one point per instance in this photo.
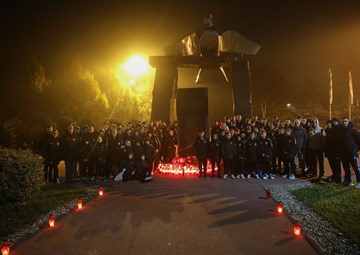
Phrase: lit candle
[280,207]
[101,191]
[297,229]
[5,248]
[51,220]
[79,204]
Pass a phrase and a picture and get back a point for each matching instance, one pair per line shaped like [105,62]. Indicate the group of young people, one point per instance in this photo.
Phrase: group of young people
[237,148]
[257,147]
[94,152]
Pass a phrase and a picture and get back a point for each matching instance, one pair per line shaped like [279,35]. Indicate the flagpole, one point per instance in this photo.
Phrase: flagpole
[351,94]
[330,95]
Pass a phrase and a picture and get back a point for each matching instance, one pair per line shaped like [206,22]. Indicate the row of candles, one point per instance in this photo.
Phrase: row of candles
[280,210]
[5,247]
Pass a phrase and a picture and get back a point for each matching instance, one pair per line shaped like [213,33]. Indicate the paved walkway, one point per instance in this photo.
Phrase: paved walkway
[173,215]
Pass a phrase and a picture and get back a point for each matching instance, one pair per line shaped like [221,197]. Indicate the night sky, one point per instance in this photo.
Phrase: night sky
[302,40]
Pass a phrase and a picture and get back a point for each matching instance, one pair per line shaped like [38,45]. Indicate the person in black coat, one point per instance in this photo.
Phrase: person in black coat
[214,150]
[130,168]
[200,146]
[240,156]
[53,156]
[149,153]
[265,150]
[251,153]
[289,149]
[350,148]
[228,153]
[301,138]
[69,148]
[332,144]
[98,159]
[170,146]
[112,153]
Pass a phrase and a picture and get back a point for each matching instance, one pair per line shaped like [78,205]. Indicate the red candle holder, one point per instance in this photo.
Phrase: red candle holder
[79,204]
[5,248]
[297,229]
[280,207]
[51,220]
[101,191]
[268,194]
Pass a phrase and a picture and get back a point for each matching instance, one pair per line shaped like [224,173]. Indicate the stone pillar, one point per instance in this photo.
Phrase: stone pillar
[241,88]
[164,92]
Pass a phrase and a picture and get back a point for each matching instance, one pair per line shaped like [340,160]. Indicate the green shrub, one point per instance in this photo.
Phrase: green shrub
[21,175]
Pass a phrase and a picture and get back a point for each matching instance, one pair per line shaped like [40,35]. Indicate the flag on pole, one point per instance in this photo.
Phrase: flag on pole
[351,92]
[331,88]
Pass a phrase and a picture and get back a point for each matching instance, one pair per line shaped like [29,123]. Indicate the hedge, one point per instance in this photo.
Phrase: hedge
[21,175]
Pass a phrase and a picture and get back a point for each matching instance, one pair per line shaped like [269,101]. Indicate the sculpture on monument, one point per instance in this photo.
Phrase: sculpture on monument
[205,50]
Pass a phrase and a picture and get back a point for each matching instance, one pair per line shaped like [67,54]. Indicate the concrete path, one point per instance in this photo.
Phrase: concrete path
[173,215]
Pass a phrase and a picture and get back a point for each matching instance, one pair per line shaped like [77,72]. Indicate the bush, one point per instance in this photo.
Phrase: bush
[21,175]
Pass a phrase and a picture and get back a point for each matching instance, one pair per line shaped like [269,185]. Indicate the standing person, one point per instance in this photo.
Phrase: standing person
[316,144]
[332,149]
[69,147]
[170,146]
[240,156]
[265,150]
[53,152]
[200,145]
[43,143]
[155,141]
[289,149]
[149,153]
[228,152]
[349,157]
[301,137]
[251,151]
[215,154]
[112,153]
[98,158]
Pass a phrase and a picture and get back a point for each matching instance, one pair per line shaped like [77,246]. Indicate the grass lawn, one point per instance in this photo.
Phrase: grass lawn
[338,204]
[16,215]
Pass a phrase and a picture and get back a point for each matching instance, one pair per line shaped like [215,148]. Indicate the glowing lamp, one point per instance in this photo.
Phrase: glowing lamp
[5,248]
[79,204]
[268,194]
[280,207]
[297,229]
[101,191]
[51,220]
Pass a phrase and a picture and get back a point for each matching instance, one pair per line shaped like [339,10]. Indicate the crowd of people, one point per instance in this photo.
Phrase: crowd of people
[237,148]
[104,152]
[259,148]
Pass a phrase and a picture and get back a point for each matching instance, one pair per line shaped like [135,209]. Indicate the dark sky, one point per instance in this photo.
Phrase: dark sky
[302,38]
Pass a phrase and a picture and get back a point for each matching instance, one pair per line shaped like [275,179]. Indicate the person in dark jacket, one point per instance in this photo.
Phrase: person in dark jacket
[265,150]
[98,159]
[130,168]
[240,156]
[332,149]
[53,155]
[251,152]
[200,146]
[69,147]
[215,154]
[228,153]
[170,146]
[112,153]
[350,148]
[149,153]
[301,137]
[289,150]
